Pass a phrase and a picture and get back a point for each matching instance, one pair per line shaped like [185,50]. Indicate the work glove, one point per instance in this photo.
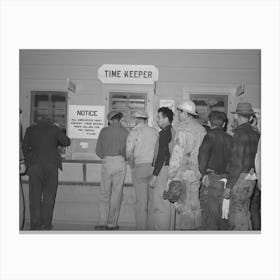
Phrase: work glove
[226,202]
[176,189]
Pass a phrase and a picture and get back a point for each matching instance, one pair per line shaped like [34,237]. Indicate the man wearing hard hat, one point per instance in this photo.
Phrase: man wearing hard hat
[140,147]
[110,148]
[184,166]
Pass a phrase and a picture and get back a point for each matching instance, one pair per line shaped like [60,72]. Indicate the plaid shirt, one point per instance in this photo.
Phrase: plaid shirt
[245,144]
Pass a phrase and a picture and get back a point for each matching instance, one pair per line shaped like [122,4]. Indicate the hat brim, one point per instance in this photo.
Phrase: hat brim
[187,111]
[244,113]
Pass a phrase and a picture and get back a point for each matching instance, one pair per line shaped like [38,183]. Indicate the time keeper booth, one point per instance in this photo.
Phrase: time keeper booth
[77,88]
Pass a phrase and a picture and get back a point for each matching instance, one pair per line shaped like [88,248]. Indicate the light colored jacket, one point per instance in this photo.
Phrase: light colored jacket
[140,144]
[184,158]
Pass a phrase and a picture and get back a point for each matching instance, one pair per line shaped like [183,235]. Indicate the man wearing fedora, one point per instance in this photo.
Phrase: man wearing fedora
[183,165]
[140,148]
[242,178]
[110,148]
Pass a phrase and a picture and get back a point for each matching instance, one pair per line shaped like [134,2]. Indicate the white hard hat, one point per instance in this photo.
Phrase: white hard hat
[140,114]
[188,106]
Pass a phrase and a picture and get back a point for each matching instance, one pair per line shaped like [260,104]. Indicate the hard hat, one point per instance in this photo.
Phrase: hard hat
[188,106]
[113,113]
[140,114]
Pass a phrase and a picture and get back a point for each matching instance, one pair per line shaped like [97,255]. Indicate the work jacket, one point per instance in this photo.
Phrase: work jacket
[215,151]
[245,144]
[140,144]
[184,158]
[40,144]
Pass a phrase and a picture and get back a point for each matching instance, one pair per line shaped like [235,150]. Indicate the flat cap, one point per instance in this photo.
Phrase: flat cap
[113,113]
[140,114]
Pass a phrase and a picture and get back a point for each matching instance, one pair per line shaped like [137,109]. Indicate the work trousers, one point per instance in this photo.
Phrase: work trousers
[239,214]
[141,175]
[43,181]
[211,199]
[188,205]
[161,209]
[255,209]
[113,172]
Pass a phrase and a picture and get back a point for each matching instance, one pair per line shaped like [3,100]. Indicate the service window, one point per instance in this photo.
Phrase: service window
[50,104]
[127,103]
[206,103]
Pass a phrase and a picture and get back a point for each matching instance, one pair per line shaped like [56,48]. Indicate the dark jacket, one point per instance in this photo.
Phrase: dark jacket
[215,151]
[40,144]
[245,144]
[162,153]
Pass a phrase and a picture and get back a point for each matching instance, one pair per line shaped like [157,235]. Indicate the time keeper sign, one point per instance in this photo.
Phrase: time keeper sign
[127,74]
[85,121]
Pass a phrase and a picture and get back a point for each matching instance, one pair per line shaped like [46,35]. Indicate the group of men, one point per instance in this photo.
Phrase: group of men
[192,171]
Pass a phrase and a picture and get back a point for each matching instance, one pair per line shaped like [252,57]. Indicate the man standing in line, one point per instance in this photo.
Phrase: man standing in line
[40,149]
[161,209]
[214,155]
[140,148]
[242,178]
[110,148]
[183,164]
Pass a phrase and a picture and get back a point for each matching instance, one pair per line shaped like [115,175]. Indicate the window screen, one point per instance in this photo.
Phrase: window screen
[127,103]
[49,104]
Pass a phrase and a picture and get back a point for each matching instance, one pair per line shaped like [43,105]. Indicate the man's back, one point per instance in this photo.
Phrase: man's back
[112,141]
[144,139]
[41,141]
[246,138]
[245,144]
[215,151]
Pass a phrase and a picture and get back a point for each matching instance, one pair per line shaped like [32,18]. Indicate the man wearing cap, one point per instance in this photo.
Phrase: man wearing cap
[241,181]
[214,155]
[183,164]
[140,147]
[110,148]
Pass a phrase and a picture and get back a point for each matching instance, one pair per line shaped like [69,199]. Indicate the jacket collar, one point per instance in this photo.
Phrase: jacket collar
[141,125]
[242,126]
[167,127]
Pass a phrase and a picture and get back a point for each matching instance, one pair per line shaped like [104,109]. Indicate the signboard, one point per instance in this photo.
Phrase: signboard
[167,103]
[85,121]
[127,74]
[71,86]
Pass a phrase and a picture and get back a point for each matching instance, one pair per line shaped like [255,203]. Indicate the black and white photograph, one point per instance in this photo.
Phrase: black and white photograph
[140,140]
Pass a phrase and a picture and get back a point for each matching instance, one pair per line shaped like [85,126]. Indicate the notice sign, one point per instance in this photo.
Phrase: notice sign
[127,74]
[85,121]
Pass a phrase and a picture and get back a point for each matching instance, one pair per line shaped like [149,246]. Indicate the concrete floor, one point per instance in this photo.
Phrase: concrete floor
[75,227]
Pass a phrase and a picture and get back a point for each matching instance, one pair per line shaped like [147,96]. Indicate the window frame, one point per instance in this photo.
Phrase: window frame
[129,94]
[50,93]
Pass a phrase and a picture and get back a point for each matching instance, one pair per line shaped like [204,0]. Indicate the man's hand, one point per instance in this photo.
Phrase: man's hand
[205,181]
[153,181]
[227,192]
[22,168]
